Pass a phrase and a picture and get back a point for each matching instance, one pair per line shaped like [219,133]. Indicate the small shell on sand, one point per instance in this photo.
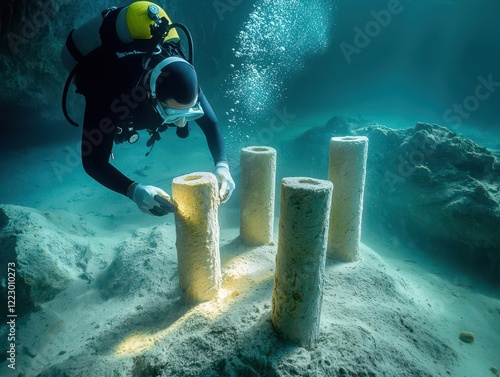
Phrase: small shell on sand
[466,336]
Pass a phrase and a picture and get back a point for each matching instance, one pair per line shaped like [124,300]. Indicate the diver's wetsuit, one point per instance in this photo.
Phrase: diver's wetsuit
[115,99]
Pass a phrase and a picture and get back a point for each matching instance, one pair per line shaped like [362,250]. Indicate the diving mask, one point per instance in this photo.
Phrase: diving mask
[179,117]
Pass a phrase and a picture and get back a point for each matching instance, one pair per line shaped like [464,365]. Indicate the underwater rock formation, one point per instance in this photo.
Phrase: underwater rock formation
[47,257]
[425,185]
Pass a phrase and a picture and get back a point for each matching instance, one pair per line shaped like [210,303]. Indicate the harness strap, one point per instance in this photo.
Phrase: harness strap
[107,31]
[65,96]
[73,50]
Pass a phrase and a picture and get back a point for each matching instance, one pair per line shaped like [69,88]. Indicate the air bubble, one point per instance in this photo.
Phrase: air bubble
[273,44]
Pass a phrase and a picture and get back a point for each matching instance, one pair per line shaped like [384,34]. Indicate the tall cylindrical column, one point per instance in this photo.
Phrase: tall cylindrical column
[197,230]
[347,172]
[258,181]
[300,261]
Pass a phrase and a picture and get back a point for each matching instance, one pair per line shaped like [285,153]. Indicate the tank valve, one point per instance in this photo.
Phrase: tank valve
[153,13]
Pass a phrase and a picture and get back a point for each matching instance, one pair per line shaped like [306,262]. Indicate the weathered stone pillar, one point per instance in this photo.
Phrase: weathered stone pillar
[347,172]
[300,261]
[258,181]
[197,230]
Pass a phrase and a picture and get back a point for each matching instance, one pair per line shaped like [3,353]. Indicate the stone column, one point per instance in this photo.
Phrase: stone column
[347,172]
[258,181]
[300,261]
[197,230]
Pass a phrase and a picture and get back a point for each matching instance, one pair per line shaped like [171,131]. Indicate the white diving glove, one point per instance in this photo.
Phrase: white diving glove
[227,185]
[151,200]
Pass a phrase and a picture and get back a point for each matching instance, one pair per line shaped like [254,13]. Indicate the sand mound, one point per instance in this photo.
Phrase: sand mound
[127,320]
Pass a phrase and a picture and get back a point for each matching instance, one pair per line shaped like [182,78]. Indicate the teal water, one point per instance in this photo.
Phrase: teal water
[274,70]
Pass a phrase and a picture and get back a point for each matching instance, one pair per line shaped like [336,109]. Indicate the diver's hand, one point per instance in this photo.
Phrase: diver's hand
[226,181]
[151,200]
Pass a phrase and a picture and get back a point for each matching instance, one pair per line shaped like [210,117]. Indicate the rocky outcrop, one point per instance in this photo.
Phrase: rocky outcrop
[425,185]
[44,256]
[32,35]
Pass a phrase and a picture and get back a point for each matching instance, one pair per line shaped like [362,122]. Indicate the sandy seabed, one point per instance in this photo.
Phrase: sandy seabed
[394,312]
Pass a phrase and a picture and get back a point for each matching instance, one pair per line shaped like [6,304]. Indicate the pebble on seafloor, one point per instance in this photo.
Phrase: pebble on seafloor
[466,336]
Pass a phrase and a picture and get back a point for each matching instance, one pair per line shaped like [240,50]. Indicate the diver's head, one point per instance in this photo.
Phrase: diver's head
[174,91]
[177,82]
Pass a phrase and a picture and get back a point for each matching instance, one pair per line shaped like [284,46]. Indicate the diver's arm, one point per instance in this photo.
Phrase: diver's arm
[210,127]
[96,150]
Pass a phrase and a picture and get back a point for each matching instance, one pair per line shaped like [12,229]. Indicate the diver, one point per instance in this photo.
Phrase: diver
[129,65]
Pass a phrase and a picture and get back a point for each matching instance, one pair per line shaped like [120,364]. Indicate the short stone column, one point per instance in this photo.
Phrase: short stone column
[258,181]
[347,172]
[197,230]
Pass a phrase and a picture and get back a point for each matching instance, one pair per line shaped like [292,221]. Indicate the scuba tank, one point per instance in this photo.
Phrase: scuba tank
[141,21]
[133,23]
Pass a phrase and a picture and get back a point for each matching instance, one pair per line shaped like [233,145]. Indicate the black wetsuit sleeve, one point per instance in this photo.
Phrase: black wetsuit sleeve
[210,127]
[97,143]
